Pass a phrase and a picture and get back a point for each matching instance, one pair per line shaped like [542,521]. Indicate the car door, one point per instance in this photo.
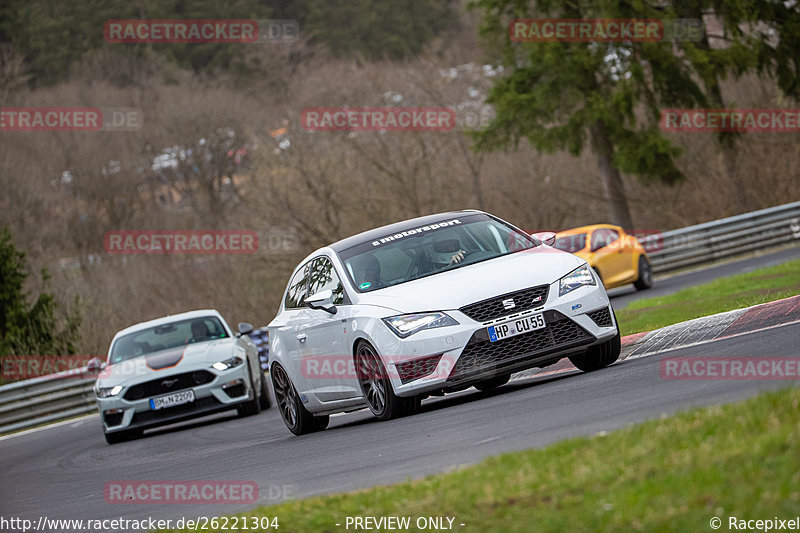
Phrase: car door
[609,256]
[285,329]
[326,356]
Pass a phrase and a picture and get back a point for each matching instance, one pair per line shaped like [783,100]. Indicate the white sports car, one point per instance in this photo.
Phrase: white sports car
[178,367]
[429,306]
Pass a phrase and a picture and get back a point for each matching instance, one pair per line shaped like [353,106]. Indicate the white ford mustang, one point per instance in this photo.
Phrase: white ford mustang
[178,367]
[429,306]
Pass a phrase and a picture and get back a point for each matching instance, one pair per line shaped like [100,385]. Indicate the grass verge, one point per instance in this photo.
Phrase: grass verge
[724,294]
[673,474]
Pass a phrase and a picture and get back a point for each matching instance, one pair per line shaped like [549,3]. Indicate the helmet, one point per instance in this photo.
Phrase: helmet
[442,251]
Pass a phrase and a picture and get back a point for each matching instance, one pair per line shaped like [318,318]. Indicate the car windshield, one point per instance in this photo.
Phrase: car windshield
[426,250]
[166,336]
[571,243]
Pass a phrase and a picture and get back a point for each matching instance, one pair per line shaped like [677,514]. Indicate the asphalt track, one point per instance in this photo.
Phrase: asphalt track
[60,472]
[667,284]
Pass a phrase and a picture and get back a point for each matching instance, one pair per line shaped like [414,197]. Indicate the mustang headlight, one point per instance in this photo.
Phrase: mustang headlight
[577,278]
[405,325]
[227,363]
[105,392]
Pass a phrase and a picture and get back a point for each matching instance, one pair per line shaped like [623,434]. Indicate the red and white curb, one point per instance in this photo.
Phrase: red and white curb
[711,328]
[694,332]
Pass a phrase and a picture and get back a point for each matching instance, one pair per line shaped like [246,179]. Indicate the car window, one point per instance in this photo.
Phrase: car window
[322,276]
[296,293]
[571,243]
[427,250]
[167,336]
[603,237]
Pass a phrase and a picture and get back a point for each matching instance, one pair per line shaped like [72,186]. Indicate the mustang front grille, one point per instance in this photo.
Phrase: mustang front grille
[167,384]
[506,304]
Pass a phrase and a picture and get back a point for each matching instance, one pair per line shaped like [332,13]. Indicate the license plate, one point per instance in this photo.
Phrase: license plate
[515,327]
[171,400]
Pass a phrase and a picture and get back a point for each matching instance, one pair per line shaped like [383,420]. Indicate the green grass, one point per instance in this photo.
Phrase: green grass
[672,474]
[724,294]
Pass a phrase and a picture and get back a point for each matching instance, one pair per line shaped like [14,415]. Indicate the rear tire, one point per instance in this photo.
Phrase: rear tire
[598,356]
[491,384]
[376,387]
[645,280]
[294,414]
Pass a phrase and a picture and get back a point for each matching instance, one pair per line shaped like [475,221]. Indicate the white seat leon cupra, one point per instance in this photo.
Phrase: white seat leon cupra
[428,306]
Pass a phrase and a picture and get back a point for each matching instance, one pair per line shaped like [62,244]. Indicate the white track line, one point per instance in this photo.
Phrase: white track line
[49,426]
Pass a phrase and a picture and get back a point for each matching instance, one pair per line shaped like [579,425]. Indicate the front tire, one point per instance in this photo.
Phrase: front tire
[251,407]
[296,417]
[645,280]
[264,399]
[598,356]
[376,387]
[123,436]
[491,384]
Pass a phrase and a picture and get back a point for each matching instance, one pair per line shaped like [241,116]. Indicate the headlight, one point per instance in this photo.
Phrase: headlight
[105,392]
[405,325]
[227,363]
[577,278]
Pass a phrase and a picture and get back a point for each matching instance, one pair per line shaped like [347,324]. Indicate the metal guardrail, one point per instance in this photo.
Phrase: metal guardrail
[705,243]
[65,395]
[46,399]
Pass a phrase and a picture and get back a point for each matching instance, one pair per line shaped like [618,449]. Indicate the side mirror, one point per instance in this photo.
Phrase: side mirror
[245,328]
[547,237]
[322,300]
[94,364]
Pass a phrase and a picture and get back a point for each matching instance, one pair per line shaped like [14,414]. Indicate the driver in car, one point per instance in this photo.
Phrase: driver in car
[199,331]
[447,252]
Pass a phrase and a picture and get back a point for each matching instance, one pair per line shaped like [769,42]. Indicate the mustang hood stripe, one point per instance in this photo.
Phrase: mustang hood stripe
[165,358]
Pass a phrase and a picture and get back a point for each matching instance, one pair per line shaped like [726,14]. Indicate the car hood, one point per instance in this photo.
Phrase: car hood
[472,283]
[166,362]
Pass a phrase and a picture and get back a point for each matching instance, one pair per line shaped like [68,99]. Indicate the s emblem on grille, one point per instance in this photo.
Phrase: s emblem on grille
[509,304]
[168,383]
[537,299]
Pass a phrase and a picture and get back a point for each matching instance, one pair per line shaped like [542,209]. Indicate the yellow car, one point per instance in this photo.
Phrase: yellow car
[617,257]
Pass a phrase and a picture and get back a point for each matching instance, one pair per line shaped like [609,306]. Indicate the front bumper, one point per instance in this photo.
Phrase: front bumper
[227,389]
[455,357]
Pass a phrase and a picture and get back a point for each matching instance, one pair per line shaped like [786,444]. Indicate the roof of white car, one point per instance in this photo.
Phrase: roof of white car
[170,318]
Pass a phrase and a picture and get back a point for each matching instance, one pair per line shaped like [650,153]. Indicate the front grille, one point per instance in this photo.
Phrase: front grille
[167,384]
[480,354]
[494,308]
[417,368]
[112,419]
[601,317]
